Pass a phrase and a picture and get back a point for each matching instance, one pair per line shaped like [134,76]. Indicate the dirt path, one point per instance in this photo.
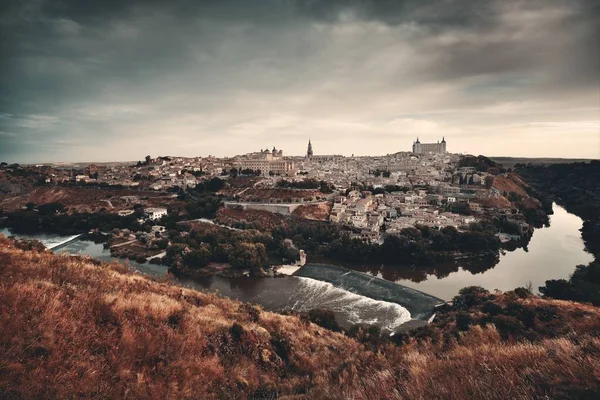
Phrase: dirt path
[122,244]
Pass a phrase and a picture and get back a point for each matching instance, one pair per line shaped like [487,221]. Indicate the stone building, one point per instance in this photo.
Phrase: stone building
[265,161]
[425,148]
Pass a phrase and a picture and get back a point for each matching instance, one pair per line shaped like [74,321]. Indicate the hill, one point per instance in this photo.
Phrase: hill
[72,327]
[510,162]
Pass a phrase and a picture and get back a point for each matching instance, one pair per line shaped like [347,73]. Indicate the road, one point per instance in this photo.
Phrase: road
[122,244]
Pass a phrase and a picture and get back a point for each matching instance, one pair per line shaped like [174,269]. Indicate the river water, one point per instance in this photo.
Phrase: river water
[287,293]
[552,253]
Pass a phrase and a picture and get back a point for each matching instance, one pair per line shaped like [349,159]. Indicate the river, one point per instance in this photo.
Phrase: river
[288,293]
[552,253]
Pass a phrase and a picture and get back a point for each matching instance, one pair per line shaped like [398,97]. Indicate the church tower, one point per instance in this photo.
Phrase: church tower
[309,151]
[416,148]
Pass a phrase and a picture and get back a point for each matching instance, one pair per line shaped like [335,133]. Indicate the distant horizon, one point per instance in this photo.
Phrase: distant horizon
[285,155]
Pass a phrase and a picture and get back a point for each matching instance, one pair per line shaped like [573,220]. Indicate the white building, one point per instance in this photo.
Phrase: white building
[267,162]
[155,213]
[425,148]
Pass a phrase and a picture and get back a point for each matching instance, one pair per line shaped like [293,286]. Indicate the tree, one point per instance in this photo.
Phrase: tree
[50,208]
[198,258]
[214,185]
[250,255]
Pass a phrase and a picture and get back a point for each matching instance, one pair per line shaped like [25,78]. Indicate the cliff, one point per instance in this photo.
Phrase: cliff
[73,327]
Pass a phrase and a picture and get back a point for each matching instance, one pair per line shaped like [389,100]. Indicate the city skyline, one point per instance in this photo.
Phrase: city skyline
[114,81]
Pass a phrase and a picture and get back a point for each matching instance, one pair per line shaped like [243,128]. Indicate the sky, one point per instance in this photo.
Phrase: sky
[115,80]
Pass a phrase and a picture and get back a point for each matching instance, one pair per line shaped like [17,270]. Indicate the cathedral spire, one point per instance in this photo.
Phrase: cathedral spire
[309,150]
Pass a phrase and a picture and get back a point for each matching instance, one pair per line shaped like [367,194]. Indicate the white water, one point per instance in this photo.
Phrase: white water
[358,309]
[55,245]
[289,293]
[49,241]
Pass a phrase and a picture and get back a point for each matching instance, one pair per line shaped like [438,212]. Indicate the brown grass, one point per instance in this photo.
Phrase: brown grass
[72,329]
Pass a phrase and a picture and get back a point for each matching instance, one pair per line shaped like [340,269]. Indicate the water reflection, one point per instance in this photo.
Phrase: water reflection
[552,253]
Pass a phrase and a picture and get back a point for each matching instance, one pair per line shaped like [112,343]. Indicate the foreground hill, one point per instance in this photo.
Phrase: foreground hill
[74,328]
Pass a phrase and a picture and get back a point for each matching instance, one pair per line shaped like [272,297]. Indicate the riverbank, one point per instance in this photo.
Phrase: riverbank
[551,254]
[164,341]
[283,294]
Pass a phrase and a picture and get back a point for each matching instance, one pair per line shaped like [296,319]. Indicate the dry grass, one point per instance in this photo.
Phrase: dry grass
[72,329]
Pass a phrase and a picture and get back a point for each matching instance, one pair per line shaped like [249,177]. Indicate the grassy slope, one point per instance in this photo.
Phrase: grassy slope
[71,328]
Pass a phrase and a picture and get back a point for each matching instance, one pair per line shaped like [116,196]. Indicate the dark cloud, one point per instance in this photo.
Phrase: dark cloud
[71,70]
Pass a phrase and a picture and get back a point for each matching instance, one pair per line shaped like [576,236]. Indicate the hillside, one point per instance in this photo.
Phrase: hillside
[85,199]
[72,327]
[510,162]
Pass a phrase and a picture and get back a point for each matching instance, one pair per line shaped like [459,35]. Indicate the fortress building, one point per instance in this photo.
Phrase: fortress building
[265,161]
[424,148]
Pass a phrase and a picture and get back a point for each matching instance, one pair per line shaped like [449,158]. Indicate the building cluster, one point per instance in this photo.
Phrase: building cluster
[372,196]
[370,215]
[267,163]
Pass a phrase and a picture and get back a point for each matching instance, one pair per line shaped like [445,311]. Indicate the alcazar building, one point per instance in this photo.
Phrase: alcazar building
[424,148]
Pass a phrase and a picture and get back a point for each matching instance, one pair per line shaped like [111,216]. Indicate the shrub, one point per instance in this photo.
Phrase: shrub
[524,314]
[175,319]
[324,318]
[25,244]
[491,308]
[252,311]
[508,326]
[523,293]
[236,331]
[546,313]
[463,321]
[470,296]
[282,346]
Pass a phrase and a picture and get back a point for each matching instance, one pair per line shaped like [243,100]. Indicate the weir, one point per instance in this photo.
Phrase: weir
[420,305]
[56,246]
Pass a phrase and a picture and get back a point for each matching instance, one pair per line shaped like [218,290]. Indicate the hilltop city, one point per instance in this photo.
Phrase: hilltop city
[365,198]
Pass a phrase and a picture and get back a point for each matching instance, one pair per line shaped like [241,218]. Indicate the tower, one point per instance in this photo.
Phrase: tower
[443,144]
[309,151]
[417,147]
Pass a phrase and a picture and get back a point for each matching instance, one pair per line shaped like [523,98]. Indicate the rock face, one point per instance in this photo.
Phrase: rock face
[70,328]
[317,212]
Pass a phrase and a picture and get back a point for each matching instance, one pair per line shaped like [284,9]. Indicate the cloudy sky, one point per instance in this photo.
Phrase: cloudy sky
[102,80]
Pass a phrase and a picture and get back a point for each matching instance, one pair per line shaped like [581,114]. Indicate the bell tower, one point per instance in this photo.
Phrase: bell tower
[309,151]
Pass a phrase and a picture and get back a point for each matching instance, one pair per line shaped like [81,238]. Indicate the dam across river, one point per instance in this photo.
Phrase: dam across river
[420,305]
